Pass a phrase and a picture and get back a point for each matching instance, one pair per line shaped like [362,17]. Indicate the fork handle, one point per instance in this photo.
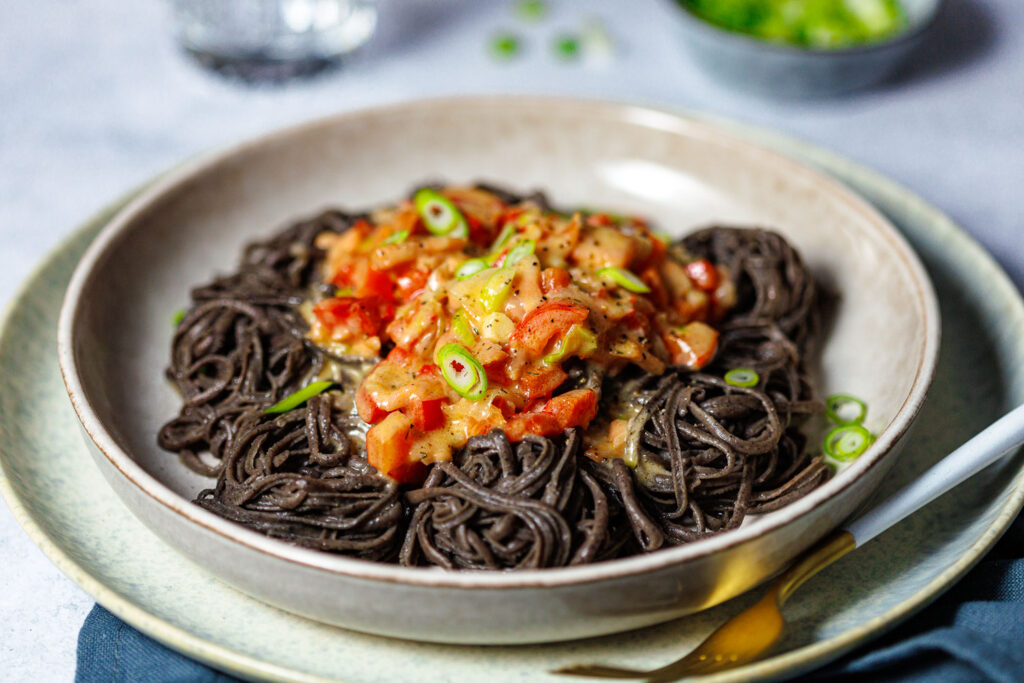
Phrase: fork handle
[988,446]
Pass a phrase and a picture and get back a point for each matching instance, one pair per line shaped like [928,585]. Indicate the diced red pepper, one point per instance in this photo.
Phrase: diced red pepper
[364,316]
[539,380]
[377,284]
[574,408]
[541,424]
[411,282]
[546,321]
[425,414]
[389,447]
[554,279]
[368,410]
[703,274]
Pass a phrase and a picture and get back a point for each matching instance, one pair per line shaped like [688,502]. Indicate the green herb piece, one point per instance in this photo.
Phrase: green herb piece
[470,268]
[178,316]
[567,47]
[531,10]
[439,214]
[505,46]
[462,329]
[624,279]
[846,442]
[578,341]
[462,371]
[742,377]
[504,236]
[296,399]
[520,251]
[843,409]
[398,237]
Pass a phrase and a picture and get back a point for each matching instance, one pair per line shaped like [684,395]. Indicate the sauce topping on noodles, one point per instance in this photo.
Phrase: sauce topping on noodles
[484,308]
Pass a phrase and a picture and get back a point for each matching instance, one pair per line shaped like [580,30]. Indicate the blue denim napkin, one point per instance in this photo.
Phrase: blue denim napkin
[973,633]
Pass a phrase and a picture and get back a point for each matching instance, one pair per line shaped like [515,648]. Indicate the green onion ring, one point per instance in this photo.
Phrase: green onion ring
[462,371]
[520,251]
[470,268]
[837,404]
[846,442]
[296,399]
[742,377]
[624,279]
[397,238]
[439,214]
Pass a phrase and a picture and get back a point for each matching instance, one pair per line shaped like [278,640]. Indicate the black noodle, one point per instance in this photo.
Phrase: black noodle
[706,453]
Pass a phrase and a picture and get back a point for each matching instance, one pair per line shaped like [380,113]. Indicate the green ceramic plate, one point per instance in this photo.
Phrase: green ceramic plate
[62,501]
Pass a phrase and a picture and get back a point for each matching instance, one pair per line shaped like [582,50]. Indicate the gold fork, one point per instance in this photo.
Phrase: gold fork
[752,632]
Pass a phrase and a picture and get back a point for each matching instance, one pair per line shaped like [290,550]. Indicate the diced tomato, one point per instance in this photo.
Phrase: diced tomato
[389,446]
[574,408]
[355,315]
[554,279]
[367,407]
[542,424]
[692,346]
[411,282]
[703,274]
[540,380]
[548,320]
[376,284]
[425,414]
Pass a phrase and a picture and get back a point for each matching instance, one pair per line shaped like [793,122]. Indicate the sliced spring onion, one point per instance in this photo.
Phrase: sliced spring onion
[519,252]
[742,377]
[567,47]
[497,289]
[178,316]
[531,10]
[462,371]
[398,237]
[504,46]
[504,236]
[846,442]
[462,329]
[296,399]
[439,214]
[470,268]
[345,291]
[843,409]
[577,341]
[624,279]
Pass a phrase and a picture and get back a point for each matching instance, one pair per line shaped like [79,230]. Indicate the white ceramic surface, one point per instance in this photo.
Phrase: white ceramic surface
[114,338]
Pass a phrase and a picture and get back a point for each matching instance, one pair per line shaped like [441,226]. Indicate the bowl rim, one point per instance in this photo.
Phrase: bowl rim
[643,115]
[908,35]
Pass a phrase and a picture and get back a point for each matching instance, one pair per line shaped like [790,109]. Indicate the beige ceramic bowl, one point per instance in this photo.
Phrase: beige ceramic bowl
[115,332]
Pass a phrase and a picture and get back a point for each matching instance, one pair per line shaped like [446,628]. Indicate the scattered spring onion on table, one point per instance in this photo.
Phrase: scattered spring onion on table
[504,46]
[462,371]
[816,24]
[299,397]
[178,316]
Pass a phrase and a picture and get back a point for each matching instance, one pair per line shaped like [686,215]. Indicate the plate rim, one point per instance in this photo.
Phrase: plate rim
[653,118]
[796,660]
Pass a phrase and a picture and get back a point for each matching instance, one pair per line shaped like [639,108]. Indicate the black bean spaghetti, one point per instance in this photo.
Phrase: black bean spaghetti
[698,454]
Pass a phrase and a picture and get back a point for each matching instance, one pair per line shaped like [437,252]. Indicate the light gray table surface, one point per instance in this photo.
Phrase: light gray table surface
[95,99]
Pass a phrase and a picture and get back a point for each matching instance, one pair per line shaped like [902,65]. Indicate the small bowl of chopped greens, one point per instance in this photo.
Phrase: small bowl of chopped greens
[803,48]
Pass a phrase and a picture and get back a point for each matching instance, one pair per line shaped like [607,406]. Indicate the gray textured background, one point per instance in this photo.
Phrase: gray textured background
[95,99]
